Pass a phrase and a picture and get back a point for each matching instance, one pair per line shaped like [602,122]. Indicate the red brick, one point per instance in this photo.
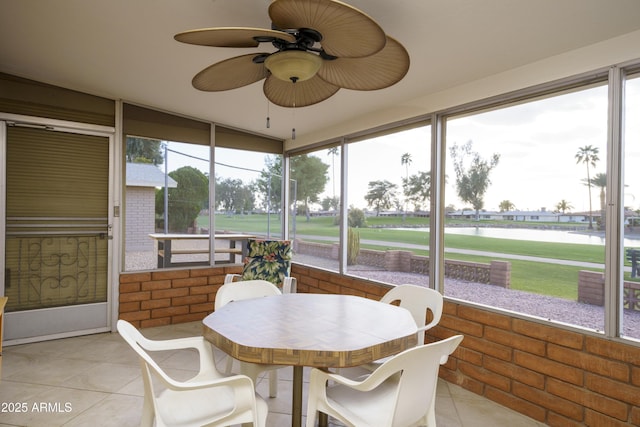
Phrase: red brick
[202,308]
[329,287]
[169,311]
[613,350]
[134,277]
[509,370]
[152,323]
[596,419]
[589,362]
[169,274]
[586,398]
[156,284]
[635,416]
[487,347]
[484,376]
[125,307]
[170,293]
[548,333]
[522,406]
[485,317]
[126,288]
[464,327]
[547,400]
[189,281]
[515,341]
[156,303]
[191,317]
[186,300]
[549,367]
[470,356]
[207,289]
[635,376]
[138,315]
[614,389]
[557,420]
[209,271]
[135,296]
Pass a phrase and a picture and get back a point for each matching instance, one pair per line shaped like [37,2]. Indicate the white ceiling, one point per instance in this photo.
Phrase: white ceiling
[124,49]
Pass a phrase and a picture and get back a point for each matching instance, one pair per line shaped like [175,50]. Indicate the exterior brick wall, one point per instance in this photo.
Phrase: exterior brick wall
[140,218]
[557,376]
[496,273]
[591,290]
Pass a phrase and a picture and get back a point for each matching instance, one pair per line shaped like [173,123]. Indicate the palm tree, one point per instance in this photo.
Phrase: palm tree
[600,180]
[589,156]
[563,206]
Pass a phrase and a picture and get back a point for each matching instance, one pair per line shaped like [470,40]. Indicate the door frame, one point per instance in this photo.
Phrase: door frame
[113,211]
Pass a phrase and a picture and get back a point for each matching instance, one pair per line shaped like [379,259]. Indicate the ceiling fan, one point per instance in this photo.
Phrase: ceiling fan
[320,47]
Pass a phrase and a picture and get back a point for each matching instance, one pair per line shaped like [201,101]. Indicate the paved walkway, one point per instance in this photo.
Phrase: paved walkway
[469,252]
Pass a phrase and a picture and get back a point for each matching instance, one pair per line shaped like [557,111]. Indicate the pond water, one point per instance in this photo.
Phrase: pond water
[536,235]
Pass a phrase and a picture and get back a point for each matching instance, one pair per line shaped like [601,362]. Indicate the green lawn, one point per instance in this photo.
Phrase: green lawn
[544,278]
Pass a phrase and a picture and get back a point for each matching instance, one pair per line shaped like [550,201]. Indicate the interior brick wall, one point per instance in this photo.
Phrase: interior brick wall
[555,375]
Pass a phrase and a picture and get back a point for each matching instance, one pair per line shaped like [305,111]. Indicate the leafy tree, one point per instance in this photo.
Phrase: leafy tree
[472,180]
[309,174]
[417,188]
[144,150]
[589,156]
[270,183]
[330,203]
[333,152]
[563,206]
[186,200]
[506,206]
[234,196]
[405,160]
[381,195]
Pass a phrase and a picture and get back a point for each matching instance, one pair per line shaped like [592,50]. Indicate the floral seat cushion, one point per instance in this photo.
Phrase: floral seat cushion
[268,260]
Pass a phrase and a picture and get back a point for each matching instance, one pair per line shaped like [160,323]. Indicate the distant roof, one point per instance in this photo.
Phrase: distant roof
[147,175]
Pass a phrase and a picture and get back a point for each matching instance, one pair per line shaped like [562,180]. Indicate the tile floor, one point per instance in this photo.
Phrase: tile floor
[95,381]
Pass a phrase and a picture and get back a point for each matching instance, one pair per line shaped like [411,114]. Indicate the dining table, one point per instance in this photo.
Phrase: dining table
[310,330]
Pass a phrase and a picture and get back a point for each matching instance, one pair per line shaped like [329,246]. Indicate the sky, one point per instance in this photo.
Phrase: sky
[537,143]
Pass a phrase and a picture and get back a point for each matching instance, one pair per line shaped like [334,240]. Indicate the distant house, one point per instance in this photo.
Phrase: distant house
[541,215]
[142,181]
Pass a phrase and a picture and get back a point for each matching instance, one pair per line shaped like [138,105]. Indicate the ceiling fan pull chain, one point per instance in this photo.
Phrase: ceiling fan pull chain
[268,119]
[293,111]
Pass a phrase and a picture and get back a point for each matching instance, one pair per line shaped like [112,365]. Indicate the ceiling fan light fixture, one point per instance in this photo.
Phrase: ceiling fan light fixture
[293,65]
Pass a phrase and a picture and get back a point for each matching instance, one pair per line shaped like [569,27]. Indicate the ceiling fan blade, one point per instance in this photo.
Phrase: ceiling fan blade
[377,71]
[299,94]
[230,74]
[347,32]
[231,36]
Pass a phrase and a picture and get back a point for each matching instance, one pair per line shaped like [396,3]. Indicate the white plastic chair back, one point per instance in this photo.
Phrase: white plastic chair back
[237,291]
[401,392]
[418,300]
[208,398]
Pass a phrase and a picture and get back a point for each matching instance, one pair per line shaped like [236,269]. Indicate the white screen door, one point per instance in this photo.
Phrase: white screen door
[56,233]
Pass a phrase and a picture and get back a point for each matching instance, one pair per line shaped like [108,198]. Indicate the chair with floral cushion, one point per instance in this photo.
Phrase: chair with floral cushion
[268,260]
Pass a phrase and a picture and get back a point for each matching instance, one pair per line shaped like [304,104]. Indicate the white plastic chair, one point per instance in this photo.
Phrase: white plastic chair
[400,393]
[236,291]
[209,398]
[418,300]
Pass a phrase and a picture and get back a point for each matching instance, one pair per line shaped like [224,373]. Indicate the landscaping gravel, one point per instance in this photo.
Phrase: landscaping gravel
[557,310]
